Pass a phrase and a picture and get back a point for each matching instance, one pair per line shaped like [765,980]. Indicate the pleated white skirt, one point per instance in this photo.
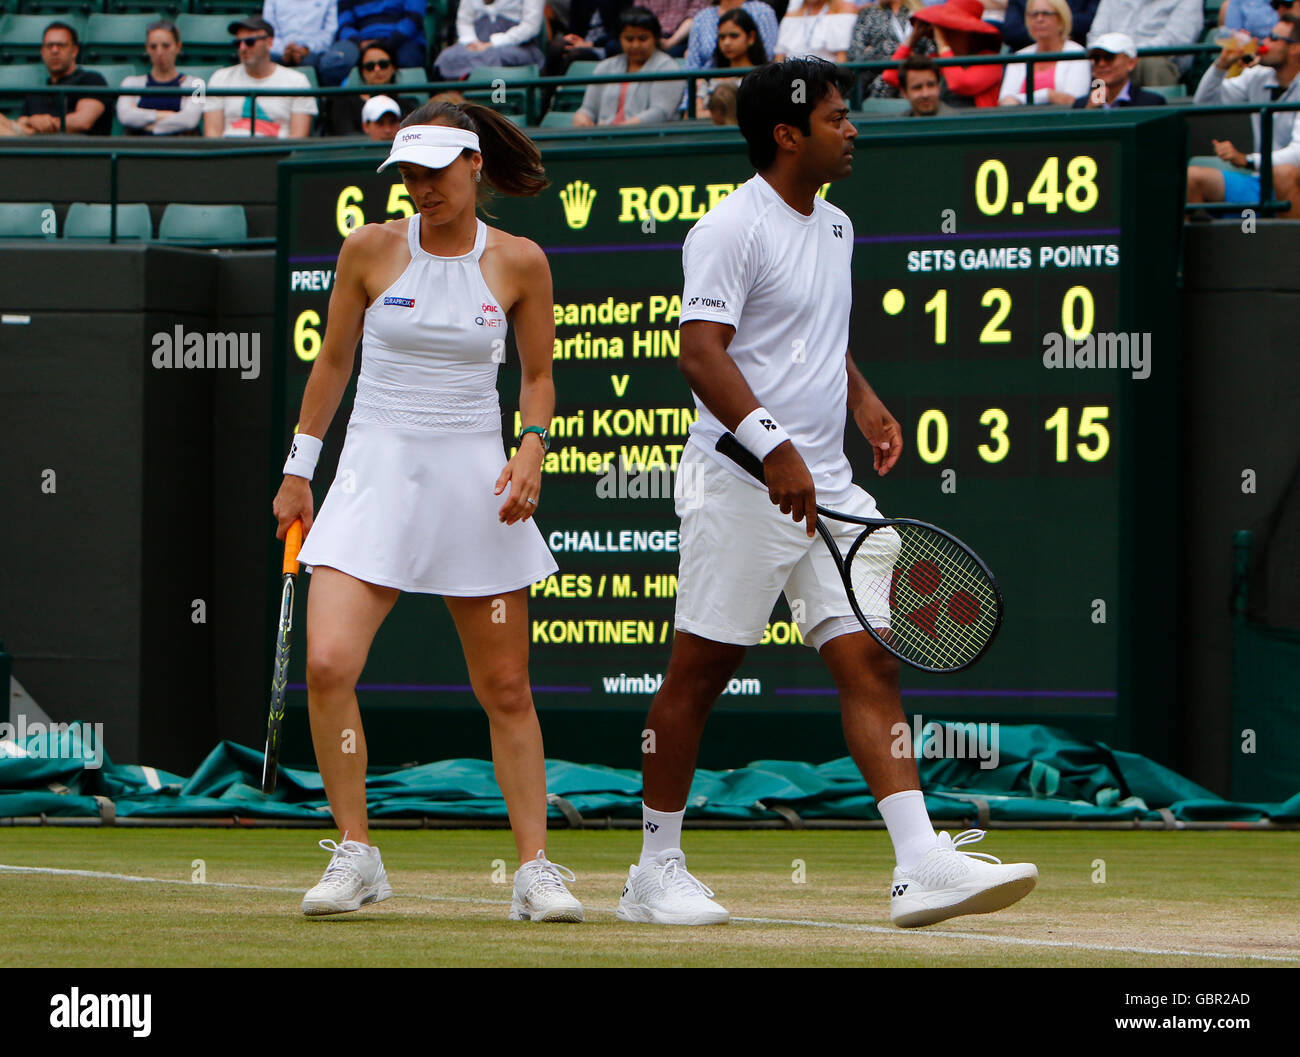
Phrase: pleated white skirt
[414,509]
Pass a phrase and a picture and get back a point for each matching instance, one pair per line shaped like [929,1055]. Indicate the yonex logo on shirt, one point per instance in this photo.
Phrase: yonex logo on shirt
[400,302]
[838,229]
[767,423]
[706,302]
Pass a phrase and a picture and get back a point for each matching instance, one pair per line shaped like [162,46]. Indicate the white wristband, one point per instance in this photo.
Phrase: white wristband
[760,433]
[303,456]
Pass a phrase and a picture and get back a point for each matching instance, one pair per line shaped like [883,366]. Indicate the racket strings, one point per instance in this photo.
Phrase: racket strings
[926,593]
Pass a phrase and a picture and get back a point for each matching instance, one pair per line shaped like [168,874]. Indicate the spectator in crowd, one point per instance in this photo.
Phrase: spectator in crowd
[994,11]
[397,23]
[1152,24]
[676,17]
[161,115]
[1015,31]
[592,34]
[342,114]
[878,32]
[41,110]
[1256,17]
[918,79]
[818,27]
[957,30]
[275,115]
[633,102]
[723,109]
[380,117]
[304,36]
[1054,82]
[1270,78]
[502,34]
[704,29]
[738,45]
[1114,57]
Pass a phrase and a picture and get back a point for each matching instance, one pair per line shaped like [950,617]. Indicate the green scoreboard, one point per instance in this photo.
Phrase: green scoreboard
[1015,304]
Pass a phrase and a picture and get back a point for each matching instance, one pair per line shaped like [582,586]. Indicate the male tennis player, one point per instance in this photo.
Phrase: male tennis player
[764,346]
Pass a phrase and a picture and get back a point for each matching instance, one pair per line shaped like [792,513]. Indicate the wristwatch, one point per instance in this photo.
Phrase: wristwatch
[540,431]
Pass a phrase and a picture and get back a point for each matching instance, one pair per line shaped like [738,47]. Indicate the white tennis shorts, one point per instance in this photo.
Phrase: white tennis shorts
[738,552]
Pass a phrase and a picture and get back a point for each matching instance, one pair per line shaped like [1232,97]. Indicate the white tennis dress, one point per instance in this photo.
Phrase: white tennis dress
[412,503]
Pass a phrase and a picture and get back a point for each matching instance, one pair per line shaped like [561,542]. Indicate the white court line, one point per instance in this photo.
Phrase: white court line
[845,926]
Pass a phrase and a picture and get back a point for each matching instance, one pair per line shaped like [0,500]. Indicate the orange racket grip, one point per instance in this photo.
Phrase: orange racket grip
[292,545]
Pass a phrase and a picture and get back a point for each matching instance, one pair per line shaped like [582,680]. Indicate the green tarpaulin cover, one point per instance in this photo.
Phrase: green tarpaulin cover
[1042,774]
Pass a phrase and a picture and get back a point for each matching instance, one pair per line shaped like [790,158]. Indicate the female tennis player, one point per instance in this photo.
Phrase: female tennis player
[417,502]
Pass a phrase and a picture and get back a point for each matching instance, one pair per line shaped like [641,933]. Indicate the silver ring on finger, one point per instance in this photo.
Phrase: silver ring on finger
[533,501]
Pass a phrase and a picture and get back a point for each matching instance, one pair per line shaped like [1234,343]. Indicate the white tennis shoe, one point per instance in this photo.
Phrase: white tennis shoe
[948,882]
[541,895]
[664,892]
[354,877]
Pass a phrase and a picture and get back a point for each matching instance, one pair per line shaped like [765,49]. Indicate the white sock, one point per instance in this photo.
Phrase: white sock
[660,831]
[909,826]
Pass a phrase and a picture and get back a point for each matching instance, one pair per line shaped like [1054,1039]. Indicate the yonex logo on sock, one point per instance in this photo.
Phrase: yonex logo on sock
[653,827]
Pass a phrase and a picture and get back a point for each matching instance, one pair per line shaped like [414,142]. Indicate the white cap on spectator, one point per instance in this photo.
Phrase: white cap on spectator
[433,146]
[379,105]
[1115,44]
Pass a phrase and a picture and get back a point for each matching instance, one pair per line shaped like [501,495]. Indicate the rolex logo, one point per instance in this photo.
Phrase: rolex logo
[577,198]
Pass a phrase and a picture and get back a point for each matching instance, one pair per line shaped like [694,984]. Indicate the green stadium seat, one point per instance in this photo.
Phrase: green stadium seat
[115,37]
[25,220]
[207,37]
[113,72]
[516,100]
[202,222]
[1210,161]
[154,8]
[1169,91]
[54,8]
[202,70]
[882,107]
[20,35]
[569,97]
[90,220]
[224,7]
[558,119]
[28,76]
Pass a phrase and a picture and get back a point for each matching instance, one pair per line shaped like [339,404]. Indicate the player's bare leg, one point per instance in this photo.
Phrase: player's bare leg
[494,635]
[343,615]
[698,671]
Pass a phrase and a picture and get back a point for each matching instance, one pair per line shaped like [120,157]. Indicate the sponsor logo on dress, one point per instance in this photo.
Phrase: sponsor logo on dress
[488,308]
[400,302]
[483,321]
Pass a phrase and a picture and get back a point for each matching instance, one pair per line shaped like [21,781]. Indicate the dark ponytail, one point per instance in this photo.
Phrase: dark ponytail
[512,164]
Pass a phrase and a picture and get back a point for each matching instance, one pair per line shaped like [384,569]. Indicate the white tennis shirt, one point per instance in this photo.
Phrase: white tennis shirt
[782,280]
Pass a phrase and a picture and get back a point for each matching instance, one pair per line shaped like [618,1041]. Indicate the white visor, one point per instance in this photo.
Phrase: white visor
[433,146]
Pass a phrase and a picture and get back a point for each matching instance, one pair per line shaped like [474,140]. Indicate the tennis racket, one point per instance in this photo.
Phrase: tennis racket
[280,674]
[919,591]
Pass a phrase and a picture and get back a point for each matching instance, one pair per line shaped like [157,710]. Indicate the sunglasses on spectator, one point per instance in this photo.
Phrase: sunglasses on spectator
[377,64]
[1101,56]
[248,42]
[1041,14]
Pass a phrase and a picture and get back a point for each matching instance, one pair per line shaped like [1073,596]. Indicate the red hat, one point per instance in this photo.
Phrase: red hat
[958,14]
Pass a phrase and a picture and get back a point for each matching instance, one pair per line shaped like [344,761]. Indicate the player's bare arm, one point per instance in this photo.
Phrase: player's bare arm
[333,365]
[715,378]
[880,428]
[532,317]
